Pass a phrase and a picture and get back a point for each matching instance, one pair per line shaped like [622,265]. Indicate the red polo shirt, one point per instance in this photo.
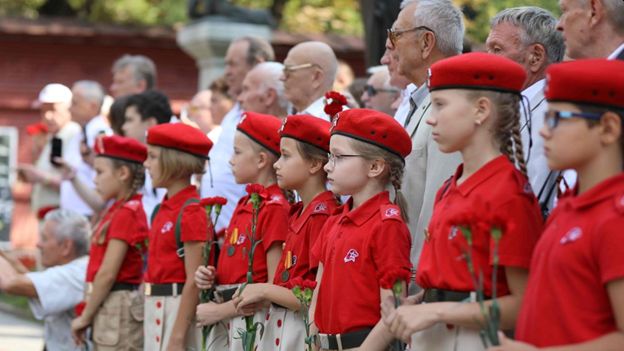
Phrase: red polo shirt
[125,221]
[304,226]
[164,265]
[508,192]
[580,252]
[356,247]
[271,228]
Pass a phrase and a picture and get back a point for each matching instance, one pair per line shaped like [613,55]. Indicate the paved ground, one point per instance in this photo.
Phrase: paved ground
[18,334]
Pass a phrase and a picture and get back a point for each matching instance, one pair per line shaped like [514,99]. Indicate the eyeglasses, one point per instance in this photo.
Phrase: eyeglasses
[394,34]
[289,69]
[332,159]
[551,118]
[372,91]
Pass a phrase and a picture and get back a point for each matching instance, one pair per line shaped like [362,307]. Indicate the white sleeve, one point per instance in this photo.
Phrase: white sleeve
[59,288]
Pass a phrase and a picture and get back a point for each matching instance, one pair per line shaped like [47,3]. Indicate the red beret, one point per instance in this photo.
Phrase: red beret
[181,137]
[121,148]
[375,128]
[597,82]
[263,129]
[308,129]
[477,70]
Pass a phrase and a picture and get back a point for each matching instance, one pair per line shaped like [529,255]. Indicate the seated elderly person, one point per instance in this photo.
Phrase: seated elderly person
[53,293]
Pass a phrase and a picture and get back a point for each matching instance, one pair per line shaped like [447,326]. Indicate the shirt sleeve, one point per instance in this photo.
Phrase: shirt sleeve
[390,247]
[273,224]
[195,225]
[608,246]
[124,226]
[59,288]
[524,228]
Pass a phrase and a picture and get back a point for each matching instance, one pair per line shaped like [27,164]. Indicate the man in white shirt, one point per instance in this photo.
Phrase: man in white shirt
[242,55]
[53,101]
[529,36]
[53,293]
[309,72]
[87,99]
[592,29]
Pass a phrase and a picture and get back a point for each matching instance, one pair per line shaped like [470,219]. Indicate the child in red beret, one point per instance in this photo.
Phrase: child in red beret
[115,267]
[475,99]
[364,248]
[179,229]
[575,295]
[304,146]
[256,148]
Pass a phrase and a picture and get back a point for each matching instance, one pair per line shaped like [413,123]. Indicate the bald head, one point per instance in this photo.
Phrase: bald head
[310,71]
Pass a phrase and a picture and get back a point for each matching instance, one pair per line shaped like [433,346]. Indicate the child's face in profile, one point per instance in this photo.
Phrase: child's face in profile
[347,171]
[245,160]
[153,166]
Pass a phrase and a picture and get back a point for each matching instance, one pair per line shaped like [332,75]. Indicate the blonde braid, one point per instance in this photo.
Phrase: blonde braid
[396,178]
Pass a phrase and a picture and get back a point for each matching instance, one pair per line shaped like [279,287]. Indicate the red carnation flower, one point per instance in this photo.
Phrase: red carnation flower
[334,101]
[209,201]
[257,189]
[218,200]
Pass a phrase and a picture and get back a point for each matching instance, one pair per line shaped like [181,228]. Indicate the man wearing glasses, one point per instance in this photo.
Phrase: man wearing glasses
[309,72]
[425,32]
[378,93]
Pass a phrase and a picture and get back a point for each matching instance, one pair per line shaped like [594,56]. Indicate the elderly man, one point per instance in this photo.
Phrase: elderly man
[132,74]
[87,99]
[399,81]
[263,91]
[54,292]
[425,32]
[378,93]
[592,28]
[309,72]
[54,101]
[242,55]
[529,36]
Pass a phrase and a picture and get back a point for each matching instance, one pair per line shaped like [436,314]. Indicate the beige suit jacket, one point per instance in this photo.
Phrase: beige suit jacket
[426,169]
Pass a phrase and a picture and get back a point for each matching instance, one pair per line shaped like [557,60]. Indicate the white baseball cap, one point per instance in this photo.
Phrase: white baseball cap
[53,93]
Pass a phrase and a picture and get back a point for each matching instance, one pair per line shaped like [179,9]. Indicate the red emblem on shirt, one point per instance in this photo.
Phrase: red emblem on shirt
[351,256]
[573,235]
[166,227]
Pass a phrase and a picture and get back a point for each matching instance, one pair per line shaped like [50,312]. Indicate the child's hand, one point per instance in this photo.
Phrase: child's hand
[208,313]
[387,308]
[78,328]
[251,299]
[205,277]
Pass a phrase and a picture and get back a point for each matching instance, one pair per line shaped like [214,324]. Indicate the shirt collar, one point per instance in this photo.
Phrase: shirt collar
[366,210]
[534,89]
[484,173]
[606,189]
[272,190]
[180,198]
[615,53]
[302,218]
[420,94]
[316,109]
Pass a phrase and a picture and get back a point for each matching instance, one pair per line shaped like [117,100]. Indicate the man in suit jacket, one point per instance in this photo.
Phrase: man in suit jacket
[425,32]
[593,29]
[529,36]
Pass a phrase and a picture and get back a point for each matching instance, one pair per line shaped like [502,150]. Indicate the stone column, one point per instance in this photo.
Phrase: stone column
[207,40]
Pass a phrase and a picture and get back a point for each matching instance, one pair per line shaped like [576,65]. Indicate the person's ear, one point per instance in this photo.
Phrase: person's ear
[265,159]
[537,57]
[150,121]
[611,128]
[482,110]
[376,168]
[427,44]
[123,173]
[315,165]
[66,248]
[270,97]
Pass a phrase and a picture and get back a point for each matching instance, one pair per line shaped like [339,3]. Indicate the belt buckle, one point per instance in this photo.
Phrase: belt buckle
[323,341]
[148,289]
[174,289]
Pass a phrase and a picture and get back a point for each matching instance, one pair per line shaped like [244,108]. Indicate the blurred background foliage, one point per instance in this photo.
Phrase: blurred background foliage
[298,16]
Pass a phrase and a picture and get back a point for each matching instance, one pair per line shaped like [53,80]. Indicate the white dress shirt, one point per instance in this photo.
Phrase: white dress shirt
[317,109]
[404,108]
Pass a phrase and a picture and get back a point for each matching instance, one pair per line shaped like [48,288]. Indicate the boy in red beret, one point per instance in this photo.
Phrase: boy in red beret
[304,146]
[176,152]
[256,148]
[575,295]
[115,268]
[475,99]
[364,248]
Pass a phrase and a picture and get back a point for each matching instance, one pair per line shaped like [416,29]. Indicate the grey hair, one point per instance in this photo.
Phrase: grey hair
[91,90]
[615,14]
[446,20]
[272,74]
[143,68]
[259,50]
[72,226]
[537,26]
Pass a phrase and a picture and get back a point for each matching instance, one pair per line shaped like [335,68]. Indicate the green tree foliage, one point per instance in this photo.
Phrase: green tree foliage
[299,16]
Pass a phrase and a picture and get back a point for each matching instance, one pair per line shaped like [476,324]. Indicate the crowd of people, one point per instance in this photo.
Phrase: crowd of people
[461,201]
